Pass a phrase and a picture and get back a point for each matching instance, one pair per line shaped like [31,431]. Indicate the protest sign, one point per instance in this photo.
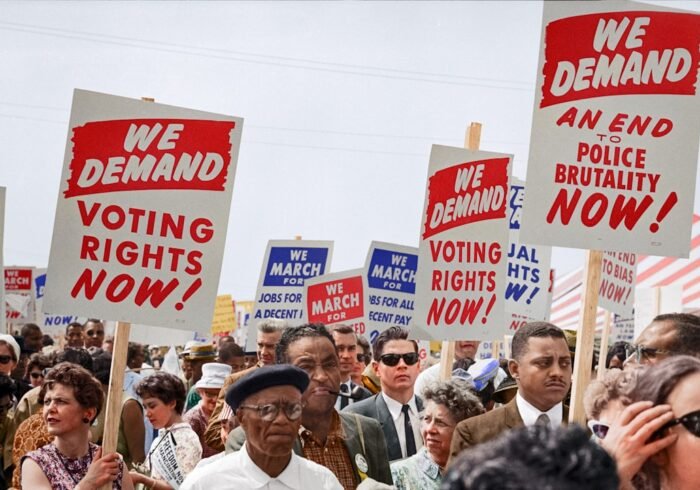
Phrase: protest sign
[617,280]
[391,286]
[224,320]
[244,312]
[286,266]
[528,265]
[142,212]
[53,325]
[19,294]
[164,460]
[615,129]
[3,327]
[622,330]
[461,275]
[337,298]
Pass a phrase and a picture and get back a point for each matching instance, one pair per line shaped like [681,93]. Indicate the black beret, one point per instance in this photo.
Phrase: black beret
[266,377]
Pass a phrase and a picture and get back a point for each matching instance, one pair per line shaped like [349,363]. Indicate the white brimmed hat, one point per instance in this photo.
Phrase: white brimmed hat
[12,343]
[213,375]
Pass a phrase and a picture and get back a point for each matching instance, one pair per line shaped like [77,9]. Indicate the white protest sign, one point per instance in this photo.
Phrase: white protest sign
[142,212]
[391,286]
[164,460]
[528,265]
[462,258]
[617,280]
[19,294]
[622,330]
[614,143]
[337,298]
[3,327]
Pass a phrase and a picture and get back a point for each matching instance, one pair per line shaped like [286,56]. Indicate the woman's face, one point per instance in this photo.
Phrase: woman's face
[36,376]
[7,362]
[209,397]
[62,412]
[437,426]
[158,413]
[681,462]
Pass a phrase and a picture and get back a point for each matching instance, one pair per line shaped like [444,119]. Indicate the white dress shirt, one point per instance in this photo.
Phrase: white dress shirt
[237,470]
[395,409]
[530,413]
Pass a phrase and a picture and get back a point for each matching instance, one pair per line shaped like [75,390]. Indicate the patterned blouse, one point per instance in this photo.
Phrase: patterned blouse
[418,472]
[188,450]
[198,420]
[65,473]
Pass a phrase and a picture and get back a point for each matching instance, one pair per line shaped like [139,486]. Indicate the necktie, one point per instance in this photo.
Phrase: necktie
[543,419]
[410,441]
[344,401]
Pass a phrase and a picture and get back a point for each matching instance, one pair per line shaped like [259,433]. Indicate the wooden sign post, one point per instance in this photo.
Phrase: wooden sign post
[585,336]
[472,139]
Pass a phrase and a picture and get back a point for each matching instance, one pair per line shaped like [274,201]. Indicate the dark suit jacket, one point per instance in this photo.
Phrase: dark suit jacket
[375,408]
[371,445]
[487,426]
[361,391]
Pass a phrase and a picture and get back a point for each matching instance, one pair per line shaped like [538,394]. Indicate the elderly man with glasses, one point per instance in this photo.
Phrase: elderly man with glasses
[268,405]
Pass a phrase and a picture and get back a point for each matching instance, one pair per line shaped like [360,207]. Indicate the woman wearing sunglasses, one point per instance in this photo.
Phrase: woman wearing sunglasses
[34,374]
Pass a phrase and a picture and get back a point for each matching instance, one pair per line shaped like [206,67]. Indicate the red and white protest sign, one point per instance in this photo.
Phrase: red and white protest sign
[142,212]
[337,298]
[19,294]
[3,310]
[617,280]
[615,129]
[462,257]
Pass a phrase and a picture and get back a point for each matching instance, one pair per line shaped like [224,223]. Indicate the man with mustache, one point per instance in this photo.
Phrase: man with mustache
[350,445]
[541,365]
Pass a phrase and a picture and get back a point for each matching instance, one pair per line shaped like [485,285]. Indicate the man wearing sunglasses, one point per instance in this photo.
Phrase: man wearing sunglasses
[268,404]
[396,407]
[346,347]
[671,334]
[94,333]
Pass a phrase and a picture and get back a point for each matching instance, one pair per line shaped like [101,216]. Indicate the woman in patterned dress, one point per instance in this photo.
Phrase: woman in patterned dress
[72,399]
[163,398]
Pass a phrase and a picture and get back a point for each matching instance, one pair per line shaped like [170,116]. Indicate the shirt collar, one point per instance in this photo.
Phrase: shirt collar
[257,478]
[529,413]
[334,431]
[396,407]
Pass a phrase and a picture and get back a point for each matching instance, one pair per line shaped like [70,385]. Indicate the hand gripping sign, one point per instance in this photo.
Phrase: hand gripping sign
[337,298]
[615,129]
[142,212]
[461,275]
[391,285]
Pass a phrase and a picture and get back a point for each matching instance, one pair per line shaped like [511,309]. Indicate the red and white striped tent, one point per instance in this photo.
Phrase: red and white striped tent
[652,271]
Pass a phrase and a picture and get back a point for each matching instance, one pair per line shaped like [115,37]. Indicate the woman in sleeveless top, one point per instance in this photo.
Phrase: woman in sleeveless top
[72,399]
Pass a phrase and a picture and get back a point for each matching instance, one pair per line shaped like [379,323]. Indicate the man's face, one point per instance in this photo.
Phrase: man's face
[94,334]
[266,346]
[543,372]
[74,337]
[187,368]
[346,346]
[466,349]
[237,364]
[274,438]
[317,356]
[397,381]
[655,342]
[34,341]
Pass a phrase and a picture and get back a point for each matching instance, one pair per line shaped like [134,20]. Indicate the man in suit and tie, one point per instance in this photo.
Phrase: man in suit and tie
[346,347]
[541,365]
[396,407]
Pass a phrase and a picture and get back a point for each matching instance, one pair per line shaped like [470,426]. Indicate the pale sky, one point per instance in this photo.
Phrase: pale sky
[341,102]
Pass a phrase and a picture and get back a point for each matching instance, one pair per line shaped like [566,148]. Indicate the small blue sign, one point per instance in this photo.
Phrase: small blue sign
[515,201]
[39,283]
[392,271]
[290,266]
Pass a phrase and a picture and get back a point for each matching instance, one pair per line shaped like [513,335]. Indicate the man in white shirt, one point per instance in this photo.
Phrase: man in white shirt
[346,347]
[541,366]
[396,407]
[268,405]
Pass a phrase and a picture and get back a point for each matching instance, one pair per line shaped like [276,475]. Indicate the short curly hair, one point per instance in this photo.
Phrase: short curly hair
[292,334]
[614,385]
[164,386]
[87,390]
[455,395]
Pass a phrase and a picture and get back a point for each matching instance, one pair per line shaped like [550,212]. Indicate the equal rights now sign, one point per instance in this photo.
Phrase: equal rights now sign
[615,129]
[142,212]
[337,298]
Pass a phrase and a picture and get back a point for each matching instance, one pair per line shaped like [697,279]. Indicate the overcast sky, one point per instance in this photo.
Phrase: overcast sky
[341,103]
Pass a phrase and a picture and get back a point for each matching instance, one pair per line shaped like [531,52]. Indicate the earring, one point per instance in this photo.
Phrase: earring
[86,420]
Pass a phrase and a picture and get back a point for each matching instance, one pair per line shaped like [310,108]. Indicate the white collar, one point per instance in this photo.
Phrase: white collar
[529,413]
[290,476]
[396,407]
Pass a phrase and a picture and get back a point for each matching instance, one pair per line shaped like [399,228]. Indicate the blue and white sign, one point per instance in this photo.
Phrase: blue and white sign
[391,286]
[528,265]
[286,266]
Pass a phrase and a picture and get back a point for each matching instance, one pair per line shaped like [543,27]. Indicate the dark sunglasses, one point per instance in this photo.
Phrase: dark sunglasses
[5,359]
[691,421]
[36,375]
[599,429]
[391,360]
[641,352]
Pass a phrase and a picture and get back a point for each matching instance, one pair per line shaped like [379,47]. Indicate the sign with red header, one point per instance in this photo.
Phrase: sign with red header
[461,275]
[615,129]
[337,298]
[142,212]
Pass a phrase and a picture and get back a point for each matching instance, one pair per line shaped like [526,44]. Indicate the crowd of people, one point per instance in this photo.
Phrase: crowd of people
[317,407]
